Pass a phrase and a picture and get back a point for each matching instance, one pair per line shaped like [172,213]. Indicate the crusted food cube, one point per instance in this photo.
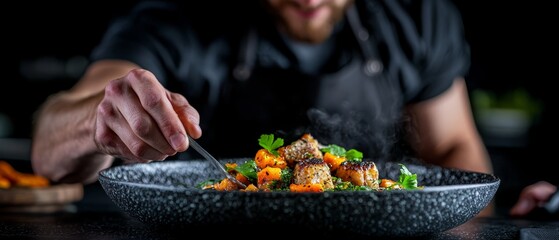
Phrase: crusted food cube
[313,171]
[303,148]
[363,173]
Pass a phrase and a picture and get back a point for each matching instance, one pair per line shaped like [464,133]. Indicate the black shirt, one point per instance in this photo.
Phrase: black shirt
[420,44]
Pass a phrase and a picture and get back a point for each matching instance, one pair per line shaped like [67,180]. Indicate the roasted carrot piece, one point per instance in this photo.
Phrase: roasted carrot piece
[268,174]
[7,171]
[333,161]
[4,183]
[31,180]
[225,185]
[250,188]
[389,183]
[230,166]
[21,179]
[242,178]
[265,159]
[313,187]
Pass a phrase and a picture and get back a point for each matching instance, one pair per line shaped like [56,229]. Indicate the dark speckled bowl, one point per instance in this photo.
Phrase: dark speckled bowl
[164,193]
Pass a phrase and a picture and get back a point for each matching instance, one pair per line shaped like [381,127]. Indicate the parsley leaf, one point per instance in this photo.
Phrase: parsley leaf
[354,155]
[351,155]
[407,180]
[248,169]
[267,142]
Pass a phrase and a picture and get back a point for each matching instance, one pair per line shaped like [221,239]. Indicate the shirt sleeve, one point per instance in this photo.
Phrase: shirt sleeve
[447,54]
[427,49]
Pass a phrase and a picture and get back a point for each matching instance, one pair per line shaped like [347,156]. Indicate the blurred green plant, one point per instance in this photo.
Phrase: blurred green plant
[517,99]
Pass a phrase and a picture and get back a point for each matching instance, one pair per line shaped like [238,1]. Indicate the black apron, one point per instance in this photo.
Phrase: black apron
[355,107]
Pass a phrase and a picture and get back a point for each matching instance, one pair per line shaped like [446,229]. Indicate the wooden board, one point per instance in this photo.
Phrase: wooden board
[47,199]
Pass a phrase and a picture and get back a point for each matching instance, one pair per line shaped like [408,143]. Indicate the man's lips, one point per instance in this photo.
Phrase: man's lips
[308,13]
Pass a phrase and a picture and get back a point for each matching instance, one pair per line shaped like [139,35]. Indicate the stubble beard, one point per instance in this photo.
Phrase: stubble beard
[313,31]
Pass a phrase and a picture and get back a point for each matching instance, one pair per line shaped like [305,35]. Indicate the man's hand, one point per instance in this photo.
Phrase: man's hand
[532,197]
[138,120]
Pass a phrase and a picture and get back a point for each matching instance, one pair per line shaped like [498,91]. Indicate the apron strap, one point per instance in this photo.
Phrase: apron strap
[247,56]
[372,65]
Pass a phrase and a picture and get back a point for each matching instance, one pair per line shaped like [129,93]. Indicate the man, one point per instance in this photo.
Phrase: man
[384,77]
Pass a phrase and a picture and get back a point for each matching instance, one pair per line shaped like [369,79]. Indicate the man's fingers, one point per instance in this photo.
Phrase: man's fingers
[154,101]
[531,197]
[523,207]
[115,136]
[188,115]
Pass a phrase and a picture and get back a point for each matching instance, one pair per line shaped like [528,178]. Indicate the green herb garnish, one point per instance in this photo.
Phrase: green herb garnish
[283,183]
[206,183]
[268,142]
[350,155]
[248,169]
[407,180]
[341,185]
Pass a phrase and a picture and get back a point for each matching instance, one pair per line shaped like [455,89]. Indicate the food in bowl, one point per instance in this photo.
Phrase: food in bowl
[305,165]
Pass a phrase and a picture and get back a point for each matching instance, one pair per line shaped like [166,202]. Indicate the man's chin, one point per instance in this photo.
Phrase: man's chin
[311,36]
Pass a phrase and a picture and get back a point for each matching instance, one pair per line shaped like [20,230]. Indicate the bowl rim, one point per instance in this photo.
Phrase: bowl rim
[441,188]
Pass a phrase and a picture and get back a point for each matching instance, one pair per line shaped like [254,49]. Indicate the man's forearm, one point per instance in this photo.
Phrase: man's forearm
[470,157]
[63,145]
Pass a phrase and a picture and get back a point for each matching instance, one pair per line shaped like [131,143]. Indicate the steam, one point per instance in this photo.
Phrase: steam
[378,139]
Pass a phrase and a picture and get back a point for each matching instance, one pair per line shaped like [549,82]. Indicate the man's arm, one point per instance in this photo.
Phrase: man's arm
[446,132]
[116,110]
[447,135]
[63,146]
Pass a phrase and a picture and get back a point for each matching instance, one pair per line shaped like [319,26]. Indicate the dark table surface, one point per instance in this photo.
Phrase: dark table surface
[96,217]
